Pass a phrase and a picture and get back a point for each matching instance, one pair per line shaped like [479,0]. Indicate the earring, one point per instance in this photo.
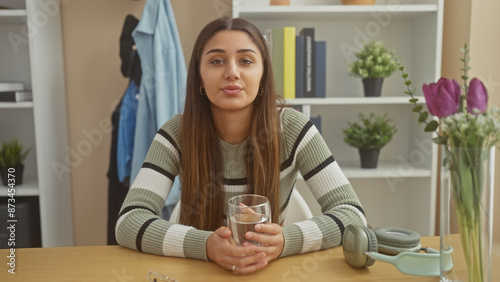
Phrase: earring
[202,91]
[261,91]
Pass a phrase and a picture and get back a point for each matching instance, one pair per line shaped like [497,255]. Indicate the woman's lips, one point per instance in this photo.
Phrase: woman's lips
[231,89]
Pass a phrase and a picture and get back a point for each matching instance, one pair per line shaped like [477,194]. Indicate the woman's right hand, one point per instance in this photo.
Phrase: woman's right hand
[224,253]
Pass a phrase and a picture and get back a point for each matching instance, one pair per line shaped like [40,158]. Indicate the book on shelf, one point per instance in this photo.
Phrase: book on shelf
[320,69]
[283,59]
[268,35]
[289,62]
[15,96]
[309,60]
[317,122]
[11,86]
[299,66]
[299,62]
[277,59]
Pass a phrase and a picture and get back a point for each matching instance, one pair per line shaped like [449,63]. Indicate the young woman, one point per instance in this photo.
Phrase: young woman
[233,138]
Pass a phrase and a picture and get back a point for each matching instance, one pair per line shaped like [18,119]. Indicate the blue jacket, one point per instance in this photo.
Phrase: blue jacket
[163,83]
[126,131]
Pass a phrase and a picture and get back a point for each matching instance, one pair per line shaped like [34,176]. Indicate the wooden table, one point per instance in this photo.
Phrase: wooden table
[115,263]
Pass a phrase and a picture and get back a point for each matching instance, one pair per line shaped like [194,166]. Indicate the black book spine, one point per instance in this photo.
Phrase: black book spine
[8,96]
[309,62]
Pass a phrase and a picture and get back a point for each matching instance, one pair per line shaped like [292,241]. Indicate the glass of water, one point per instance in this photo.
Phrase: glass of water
[244,212]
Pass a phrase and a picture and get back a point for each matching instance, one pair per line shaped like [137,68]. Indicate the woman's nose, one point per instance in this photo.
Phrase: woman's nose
[232,71]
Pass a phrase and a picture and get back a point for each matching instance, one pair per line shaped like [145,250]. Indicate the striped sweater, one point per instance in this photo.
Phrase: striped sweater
[302,150]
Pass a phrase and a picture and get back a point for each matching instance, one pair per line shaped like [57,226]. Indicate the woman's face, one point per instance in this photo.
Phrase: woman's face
[231,68]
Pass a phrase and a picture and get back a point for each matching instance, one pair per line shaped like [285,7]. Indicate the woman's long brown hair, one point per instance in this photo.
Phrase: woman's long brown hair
[202,167]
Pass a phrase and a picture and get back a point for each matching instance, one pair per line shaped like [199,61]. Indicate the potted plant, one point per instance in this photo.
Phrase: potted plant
[374,62]
[369,136]
[12,156]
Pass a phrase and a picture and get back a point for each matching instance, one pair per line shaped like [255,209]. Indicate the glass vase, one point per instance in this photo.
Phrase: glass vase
[466,213]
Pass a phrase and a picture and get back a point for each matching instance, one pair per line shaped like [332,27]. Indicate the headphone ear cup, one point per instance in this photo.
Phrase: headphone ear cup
[355,242]
[372,244]
[393,240]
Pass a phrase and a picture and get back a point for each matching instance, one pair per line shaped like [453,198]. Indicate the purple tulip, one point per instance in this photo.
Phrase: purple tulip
[443,97]
[477,96]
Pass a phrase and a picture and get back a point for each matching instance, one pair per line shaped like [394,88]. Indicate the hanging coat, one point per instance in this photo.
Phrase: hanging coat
[163,83]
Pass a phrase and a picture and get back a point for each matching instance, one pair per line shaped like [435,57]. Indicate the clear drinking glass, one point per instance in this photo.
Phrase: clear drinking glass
[244,212]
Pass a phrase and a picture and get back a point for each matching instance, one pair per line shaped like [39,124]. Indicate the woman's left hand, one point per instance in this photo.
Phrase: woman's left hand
[271,236]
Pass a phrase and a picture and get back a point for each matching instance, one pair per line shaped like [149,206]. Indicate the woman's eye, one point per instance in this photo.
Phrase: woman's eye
[247,61]
[216,61]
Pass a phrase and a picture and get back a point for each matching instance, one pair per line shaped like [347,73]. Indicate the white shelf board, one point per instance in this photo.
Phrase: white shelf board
[28,188]
[333,12]
[353,170]
[385,169]
[12,16]
[354,101]
[16,105]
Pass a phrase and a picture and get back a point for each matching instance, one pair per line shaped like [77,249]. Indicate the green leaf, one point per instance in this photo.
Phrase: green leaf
[445,159]
[423,116]
[408,82]
[401,68]
[431,126]
[440,139]
[417,108]
[408,92]
[413,100]
[11,153]
[405,75]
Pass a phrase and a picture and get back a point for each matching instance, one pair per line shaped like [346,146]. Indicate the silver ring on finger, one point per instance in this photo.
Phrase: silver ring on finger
[234,267]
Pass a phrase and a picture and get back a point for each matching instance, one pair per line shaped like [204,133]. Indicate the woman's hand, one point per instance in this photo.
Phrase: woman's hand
[271,236]
[245,259]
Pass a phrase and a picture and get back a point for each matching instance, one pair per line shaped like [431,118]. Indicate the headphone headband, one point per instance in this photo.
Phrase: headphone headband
[362,246]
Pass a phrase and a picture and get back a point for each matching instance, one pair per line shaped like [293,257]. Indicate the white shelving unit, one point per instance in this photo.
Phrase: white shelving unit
[352,101]
[31,52]
[401,191]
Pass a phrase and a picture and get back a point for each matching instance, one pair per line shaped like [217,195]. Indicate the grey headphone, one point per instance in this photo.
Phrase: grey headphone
[399,246]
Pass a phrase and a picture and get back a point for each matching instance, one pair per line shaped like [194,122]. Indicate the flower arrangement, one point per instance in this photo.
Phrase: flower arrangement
[469,132]
[373,133]
[374,61]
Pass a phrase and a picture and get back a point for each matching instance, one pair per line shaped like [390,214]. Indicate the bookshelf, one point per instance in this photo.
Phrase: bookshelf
[401,191]
[36,60]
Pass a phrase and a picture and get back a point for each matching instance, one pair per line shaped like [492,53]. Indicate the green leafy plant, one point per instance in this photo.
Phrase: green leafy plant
[11,153]
[373,61]
[373,133]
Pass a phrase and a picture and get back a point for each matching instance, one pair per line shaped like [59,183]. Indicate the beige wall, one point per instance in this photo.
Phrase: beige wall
[456,31]
[94,85]
[485,64]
